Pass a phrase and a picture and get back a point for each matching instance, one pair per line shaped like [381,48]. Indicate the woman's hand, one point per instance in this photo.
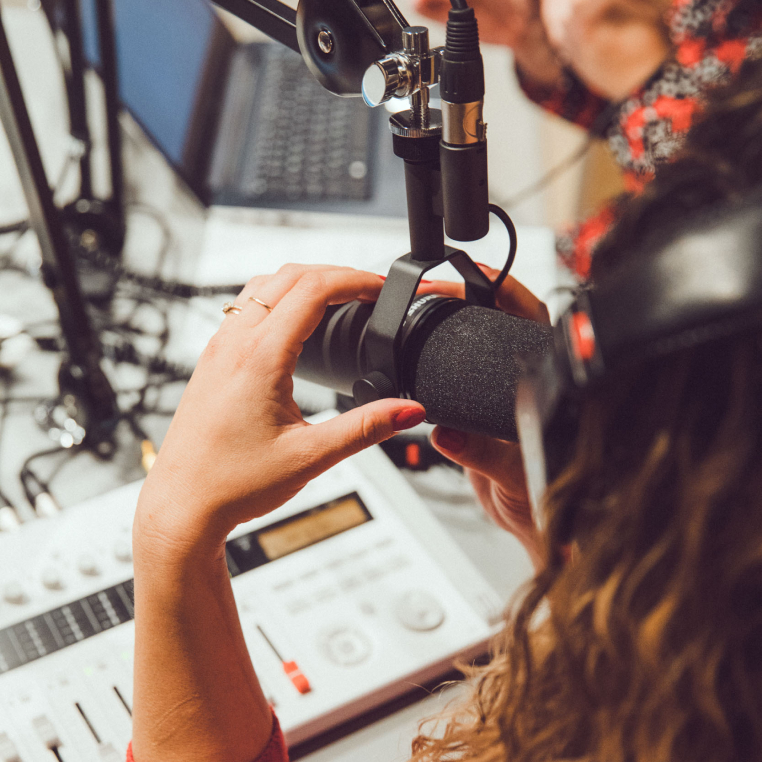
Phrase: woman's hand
[613,45]
[495,467]
[513,23]
[238,446]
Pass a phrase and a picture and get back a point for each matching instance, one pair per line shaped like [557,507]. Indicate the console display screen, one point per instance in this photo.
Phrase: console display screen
[327,521]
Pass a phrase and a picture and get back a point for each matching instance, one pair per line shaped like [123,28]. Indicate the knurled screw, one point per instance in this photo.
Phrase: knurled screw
[415,41]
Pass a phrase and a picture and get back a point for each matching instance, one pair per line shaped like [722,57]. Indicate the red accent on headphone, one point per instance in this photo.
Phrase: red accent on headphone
[583,336]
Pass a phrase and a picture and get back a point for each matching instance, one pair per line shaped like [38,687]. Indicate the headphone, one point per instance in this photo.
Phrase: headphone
[700,282]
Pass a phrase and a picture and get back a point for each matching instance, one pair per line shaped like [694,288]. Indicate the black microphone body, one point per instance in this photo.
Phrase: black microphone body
[460,361]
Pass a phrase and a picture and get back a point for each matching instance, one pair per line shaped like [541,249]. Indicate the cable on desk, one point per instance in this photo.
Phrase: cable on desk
[153,283]
[161,221]
[9,517]
[21,227]
[14,227]
[6,257]
[36,490]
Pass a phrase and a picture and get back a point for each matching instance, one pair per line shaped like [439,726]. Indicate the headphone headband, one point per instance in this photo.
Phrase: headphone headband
[701,282]
[704,282]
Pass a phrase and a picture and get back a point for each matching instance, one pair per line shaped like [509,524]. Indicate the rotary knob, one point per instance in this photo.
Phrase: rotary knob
[375,386]
[123,551]
[346,646]
[51,579]
[88,566]
[14,593]
[418,610]
[383,79]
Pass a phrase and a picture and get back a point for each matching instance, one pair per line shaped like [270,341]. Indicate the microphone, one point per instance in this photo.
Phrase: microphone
[460,361]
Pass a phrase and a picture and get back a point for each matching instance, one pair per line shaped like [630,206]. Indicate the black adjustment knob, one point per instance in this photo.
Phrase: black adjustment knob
[416,150]
[375,386]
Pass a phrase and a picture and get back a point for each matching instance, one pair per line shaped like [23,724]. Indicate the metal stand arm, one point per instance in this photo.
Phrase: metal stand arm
[81,375]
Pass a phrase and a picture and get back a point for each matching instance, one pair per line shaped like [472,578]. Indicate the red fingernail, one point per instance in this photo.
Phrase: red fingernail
[383,277]
[450,440]
[427,282]
[406,419]
[483,266]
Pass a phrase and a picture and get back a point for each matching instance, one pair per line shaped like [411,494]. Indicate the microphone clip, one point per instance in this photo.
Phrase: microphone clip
[394,307]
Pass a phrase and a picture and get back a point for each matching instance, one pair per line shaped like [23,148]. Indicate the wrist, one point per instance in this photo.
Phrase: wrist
[171,536]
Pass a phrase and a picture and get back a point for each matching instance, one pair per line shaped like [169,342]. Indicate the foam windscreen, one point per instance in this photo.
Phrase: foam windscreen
[468,369]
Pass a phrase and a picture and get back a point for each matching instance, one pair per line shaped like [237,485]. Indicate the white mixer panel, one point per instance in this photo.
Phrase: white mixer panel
[349,595]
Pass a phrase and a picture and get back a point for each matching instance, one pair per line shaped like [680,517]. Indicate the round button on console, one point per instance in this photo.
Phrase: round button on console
[346,646]
[51,579]
[123,551]
[419,610]
[14,593]
[88,566]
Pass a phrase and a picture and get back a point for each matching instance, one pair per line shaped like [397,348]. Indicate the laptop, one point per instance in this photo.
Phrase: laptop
[246,124]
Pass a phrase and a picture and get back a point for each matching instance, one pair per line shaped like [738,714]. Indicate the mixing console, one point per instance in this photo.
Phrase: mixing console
[349,595]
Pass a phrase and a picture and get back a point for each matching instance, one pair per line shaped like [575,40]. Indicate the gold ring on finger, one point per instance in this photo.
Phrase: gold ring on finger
[231,307]
[259,301]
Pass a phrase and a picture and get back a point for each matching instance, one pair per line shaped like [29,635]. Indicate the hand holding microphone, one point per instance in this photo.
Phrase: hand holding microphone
[493,466]
[460,361]
[238,446]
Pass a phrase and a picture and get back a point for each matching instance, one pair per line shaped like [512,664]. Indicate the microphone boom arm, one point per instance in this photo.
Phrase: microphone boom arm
[275,19]
[366,47]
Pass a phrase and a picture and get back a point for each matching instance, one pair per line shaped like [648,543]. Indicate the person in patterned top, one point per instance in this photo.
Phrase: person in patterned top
[641,90]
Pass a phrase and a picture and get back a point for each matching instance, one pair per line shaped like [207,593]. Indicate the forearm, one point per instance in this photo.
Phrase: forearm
[196,694]
[237,449]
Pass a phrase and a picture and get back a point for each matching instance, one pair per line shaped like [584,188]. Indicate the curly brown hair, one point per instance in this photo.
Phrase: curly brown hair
[648,646]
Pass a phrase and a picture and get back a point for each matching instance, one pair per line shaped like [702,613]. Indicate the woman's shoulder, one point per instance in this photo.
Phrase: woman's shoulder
[713,21]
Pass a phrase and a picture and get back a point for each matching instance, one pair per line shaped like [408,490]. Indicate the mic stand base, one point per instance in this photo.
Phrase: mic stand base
[81,374]
[95,236]
[99,422]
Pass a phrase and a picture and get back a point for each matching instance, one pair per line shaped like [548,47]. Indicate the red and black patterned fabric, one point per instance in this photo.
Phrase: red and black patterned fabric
[711,39]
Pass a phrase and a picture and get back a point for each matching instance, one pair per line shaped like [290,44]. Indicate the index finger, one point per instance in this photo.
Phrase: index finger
[300,311]
[512,297]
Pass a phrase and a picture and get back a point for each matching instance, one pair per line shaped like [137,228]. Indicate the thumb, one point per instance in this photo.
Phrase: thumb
[358,429]
[493,458]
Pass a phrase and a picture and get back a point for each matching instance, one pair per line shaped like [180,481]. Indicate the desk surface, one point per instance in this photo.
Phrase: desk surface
[225,246]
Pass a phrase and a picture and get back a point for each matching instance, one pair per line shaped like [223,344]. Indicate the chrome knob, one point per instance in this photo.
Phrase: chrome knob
[325,41]
[382,80]
[415,41]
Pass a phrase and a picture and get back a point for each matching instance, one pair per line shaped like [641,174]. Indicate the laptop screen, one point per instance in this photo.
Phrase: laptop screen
[165,50]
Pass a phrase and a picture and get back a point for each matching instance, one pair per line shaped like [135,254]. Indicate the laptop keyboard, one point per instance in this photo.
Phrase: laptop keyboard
[301,143]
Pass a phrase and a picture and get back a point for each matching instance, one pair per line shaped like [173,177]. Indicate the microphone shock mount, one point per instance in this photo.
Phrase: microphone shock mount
[446,184]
